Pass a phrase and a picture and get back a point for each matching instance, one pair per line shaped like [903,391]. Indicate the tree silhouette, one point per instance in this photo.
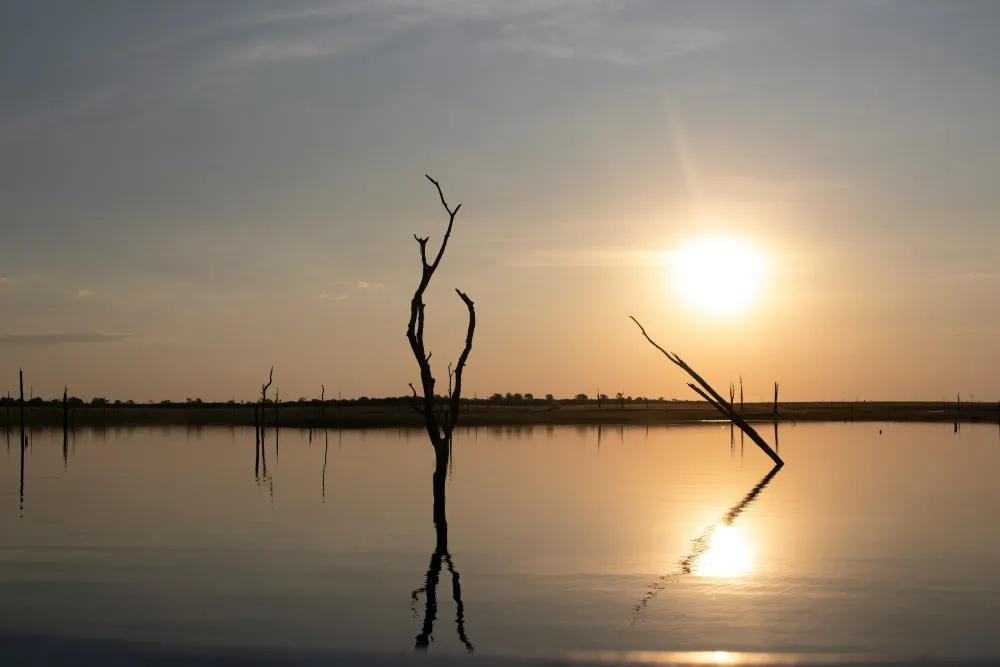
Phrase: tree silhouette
[439,422]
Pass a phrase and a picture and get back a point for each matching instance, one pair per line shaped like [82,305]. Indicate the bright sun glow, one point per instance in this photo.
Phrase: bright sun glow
[718,274]
[728,554]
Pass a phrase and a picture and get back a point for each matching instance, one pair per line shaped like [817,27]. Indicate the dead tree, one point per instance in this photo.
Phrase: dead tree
[20,378]
[439,423]
[775,398]
[263,395]
[709,394]
[65,424]
[741,393]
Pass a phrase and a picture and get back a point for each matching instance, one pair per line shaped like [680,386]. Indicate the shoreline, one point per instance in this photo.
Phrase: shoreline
[401,415]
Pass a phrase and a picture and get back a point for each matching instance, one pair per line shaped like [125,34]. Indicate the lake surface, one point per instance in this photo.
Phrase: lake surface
[560,539]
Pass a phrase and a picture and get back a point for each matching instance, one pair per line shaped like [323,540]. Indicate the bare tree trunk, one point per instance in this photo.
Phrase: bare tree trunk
[24,441]
[65,425]
[20,377]
[775,398]
[741,393]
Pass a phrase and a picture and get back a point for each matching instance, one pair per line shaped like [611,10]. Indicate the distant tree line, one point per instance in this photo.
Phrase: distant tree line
[496,399]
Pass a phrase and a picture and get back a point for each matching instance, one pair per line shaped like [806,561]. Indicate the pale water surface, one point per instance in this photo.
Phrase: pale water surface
[565,539]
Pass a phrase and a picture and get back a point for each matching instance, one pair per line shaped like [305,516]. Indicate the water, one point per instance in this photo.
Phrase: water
[565,539]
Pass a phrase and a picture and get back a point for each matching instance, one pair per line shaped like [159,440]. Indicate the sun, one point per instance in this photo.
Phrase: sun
[718,274]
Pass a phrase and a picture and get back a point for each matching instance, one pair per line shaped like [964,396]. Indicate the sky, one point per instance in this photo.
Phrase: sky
[192,192]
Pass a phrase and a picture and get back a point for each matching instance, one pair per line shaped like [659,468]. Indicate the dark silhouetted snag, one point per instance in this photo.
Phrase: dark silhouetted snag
[776,398]
[277,428]
[20,379]
[65,426]
[439,423]
[741,393]
[709,394]
[322,399]
[263,398]
[24,438]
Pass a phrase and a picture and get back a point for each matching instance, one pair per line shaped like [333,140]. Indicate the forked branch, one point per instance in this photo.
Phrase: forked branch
[709,394]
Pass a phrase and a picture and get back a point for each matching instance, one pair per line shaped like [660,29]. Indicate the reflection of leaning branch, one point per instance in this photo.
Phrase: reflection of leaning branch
[701,544]
[709,394]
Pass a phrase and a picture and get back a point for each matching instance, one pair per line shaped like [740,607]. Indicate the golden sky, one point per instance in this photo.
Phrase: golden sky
[193,195]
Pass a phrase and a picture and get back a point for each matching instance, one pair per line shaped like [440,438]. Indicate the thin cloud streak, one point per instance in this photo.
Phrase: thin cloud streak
[557,29]
[60,338]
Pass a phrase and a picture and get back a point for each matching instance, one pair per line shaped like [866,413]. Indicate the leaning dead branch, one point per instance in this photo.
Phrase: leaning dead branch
[718,402]
[439,423]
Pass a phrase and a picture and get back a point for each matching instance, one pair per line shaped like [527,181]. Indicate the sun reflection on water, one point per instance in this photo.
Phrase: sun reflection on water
[728,554]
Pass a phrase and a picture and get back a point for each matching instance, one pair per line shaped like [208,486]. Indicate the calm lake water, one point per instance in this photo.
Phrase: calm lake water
[565,539]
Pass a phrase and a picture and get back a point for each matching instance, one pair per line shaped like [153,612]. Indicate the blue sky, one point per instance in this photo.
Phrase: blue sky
[192,191]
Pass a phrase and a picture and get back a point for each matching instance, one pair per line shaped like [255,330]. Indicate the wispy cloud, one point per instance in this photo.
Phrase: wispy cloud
[593,30]
[366,285]
[326,296]
[979,275]
[598,34]
[60,338]
[84,294]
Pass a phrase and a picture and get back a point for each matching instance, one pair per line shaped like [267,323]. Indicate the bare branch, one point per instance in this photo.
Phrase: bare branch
[414,404]
[720,403]
[423,249]
[264,387]
[451,222]
[456,396]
